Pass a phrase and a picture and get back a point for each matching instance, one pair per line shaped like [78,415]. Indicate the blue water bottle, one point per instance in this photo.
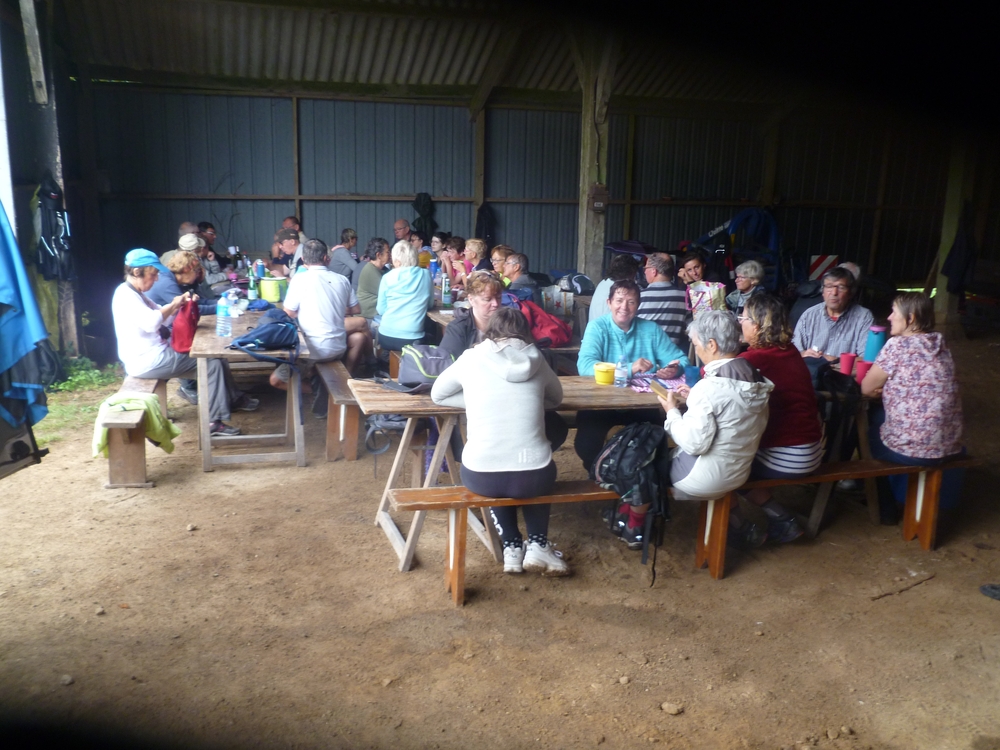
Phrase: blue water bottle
[876,340]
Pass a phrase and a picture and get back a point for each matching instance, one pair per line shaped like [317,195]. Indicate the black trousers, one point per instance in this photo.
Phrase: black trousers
[519,484]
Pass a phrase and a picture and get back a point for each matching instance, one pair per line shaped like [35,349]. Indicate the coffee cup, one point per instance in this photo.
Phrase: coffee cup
[847,362]
[862,369]
[604,373]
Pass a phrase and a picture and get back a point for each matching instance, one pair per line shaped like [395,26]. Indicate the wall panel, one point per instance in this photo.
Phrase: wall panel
[326,219]
[546,233]
[532,154]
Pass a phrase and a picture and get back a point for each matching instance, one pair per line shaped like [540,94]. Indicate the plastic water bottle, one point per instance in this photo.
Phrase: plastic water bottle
[445,291]
[621,372]
[223,323]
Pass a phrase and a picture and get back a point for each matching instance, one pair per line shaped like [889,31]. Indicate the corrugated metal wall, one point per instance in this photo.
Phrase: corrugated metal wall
[533,155]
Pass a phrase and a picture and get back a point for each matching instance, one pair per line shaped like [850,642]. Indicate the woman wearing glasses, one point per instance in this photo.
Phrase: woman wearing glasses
[748,278]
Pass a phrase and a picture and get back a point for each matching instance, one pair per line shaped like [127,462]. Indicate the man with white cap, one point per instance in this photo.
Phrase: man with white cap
[141,327]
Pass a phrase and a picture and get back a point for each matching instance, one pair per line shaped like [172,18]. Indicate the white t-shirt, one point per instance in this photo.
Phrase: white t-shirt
[137,326]
[321,298]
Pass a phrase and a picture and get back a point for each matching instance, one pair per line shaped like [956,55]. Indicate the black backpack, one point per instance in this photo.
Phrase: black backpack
[626,465]
[837,397]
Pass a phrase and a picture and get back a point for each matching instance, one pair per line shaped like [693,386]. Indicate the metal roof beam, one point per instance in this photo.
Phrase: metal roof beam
[495,69]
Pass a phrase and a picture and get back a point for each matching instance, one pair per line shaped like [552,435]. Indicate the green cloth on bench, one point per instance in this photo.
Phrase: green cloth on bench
[159,429]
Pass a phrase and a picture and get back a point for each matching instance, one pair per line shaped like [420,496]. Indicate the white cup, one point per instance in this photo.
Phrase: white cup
[233,250]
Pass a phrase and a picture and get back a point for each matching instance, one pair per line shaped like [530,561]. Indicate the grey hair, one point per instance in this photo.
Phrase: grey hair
[313,252]
[719,325]
[751,270]
[404,254]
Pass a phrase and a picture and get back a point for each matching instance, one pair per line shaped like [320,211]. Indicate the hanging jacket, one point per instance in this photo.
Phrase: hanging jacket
[159,429]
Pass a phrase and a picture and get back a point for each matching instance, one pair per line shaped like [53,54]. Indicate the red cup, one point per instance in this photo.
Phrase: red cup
[863,368]
[847,362]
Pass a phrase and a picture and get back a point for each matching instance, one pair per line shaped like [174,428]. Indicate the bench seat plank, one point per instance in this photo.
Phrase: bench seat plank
[453,498]
[862,469]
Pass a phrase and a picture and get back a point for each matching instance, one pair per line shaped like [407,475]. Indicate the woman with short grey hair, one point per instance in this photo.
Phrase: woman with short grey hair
[405,294]
[748,278]
[717,436]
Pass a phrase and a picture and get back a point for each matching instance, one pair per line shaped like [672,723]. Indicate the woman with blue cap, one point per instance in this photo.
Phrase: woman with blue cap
[142,328]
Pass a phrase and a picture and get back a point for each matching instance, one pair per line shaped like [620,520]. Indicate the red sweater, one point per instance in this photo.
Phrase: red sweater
[794,416]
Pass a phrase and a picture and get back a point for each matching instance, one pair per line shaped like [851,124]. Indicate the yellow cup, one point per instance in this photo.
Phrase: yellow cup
[604,373]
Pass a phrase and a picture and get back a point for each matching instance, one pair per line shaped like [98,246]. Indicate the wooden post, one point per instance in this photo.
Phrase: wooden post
[961,175]
[595,55]
[34,44]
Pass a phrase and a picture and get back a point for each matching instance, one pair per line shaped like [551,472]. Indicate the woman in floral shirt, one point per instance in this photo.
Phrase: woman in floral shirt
[915,375]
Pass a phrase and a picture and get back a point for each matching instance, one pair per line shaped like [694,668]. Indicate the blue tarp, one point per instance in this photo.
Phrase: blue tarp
[21,329]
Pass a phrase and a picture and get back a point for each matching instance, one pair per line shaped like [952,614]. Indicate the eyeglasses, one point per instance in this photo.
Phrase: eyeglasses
[511,263]
[495,261]
[209,231]
[742,277]
[743,318]
[838,287]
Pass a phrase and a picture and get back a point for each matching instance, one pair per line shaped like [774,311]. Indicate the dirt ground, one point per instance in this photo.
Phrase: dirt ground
[282,621]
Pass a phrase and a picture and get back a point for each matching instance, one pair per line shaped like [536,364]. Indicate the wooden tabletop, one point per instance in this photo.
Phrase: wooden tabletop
[207,344]
[578,393]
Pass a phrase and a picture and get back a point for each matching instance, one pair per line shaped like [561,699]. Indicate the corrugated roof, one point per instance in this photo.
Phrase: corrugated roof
[396,42]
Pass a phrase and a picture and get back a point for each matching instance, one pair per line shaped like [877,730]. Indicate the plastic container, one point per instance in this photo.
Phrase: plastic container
[223,323]
[604,373]
[877,337]
[273,289]
[847,362]
[692,374]
[622,373]
[862,366]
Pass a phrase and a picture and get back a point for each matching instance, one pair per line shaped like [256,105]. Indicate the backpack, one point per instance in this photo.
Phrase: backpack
[626,466]
[185,325]
[275,331]
[546,328]
[837,397]
[420,364]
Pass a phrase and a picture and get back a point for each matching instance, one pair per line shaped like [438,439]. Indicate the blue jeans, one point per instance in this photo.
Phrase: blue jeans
[892,489]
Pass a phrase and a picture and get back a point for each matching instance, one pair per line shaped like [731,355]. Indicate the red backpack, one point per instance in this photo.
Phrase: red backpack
[545,325]
[185,324]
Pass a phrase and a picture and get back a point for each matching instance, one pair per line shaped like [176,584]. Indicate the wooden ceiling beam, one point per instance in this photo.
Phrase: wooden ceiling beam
[496,67]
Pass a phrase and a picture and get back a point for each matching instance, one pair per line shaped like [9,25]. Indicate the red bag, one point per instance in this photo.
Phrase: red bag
[545,325]
[185,324]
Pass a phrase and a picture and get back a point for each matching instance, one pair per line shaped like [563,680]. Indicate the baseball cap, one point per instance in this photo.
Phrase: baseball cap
[190,242]
[142,257]
[287,234]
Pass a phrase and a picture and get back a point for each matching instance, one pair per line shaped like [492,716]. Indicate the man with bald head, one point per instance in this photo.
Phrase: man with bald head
[401,229]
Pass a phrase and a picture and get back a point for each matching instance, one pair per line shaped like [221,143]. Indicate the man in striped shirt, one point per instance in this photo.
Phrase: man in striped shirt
[663,301]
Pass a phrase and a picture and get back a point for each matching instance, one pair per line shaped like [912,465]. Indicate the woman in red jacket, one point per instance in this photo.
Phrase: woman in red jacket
[792,444]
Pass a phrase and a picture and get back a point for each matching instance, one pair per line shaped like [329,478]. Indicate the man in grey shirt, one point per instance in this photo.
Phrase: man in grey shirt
[836,326]
[515,268]
[342,260]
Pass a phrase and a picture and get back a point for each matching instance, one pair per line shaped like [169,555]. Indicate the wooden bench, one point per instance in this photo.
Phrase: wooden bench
[335,377]
[458,500]
[127,436]
[919,517]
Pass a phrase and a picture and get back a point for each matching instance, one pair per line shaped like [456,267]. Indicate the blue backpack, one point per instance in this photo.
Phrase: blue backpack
[275,331]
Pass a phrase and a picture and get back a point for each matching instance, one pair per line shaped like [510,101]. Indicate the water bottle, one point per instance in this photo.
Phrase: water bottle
[877,336]
[622,372]
[223,323]
[252,293]
[445,291]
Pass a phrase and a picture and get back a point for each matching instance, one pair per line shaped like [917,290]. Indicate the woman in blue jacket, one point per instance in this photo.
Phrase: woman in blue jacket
[404,297]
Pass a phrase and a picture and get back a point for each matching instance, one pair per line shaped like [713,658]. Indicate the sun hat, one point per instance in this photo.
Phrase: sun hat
[190,242]
[142,257]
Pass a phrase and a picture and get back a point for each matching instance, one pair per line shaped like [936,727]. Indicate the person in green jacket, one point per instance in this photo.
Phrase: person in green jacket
[370,276]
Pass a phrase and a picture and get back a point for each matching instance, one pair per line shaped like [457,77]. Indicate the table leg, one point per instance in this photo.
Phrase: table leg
[865,451]
[413,535]
[294,406]
[382,517]
[204,419]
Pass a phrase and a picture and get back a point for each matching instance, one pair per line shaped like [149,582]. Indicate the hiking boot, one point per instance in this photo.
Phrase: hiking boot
[189,395]
[321,403]
[221,428]
[513,559]
[851,485]
[632,536]
[746,537]
[246,403]
[614,520]
[783,530]
[545,560]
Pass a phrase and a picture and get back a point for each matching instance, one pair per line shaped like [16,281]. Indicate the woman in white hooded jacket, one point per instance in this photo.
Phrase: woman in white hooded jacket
[727,412]
[505,386]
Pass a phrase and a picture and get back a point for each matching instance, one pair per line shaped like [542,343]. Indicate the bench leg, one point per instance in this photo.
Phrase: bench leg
[127,458]
[334,448]
[454,574]
[819,509]
[865,451]
[923,495]
[352,431]
[161,394]
[710,548]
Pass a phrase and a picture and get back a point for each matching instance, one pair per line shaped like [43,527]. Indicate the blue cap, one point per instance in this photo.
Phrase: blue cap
[142,257]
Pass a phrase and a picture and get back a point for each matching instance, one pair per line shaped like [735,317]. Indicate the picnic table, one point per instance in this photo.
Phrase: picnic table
[579,393]
[571,350]
[207,345]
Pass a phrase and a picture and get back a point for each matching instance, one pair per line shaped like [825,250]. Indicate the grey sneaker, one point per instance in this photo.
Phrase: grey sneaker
[246,403]
[513,557]
[221,428]
[545,560]
[191,396]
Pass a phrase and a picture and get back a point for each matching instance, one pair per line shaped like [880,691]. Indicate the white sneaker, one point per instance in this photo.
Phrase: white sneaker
[545,560]
[512,559]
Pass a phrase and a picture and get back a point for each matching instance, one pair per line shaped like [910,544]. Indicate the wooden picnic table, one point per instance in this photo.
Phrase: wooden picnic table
[579,393]
[444,317]
[207,345]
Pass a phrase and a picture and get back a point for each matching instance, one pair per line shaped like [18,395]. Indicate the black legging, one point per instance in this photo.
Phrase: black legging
[517,484]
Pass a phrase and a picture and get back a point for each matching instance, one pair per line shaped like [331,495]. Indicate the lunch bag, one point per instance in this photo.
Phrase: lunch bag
[185,325]
[420,364]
